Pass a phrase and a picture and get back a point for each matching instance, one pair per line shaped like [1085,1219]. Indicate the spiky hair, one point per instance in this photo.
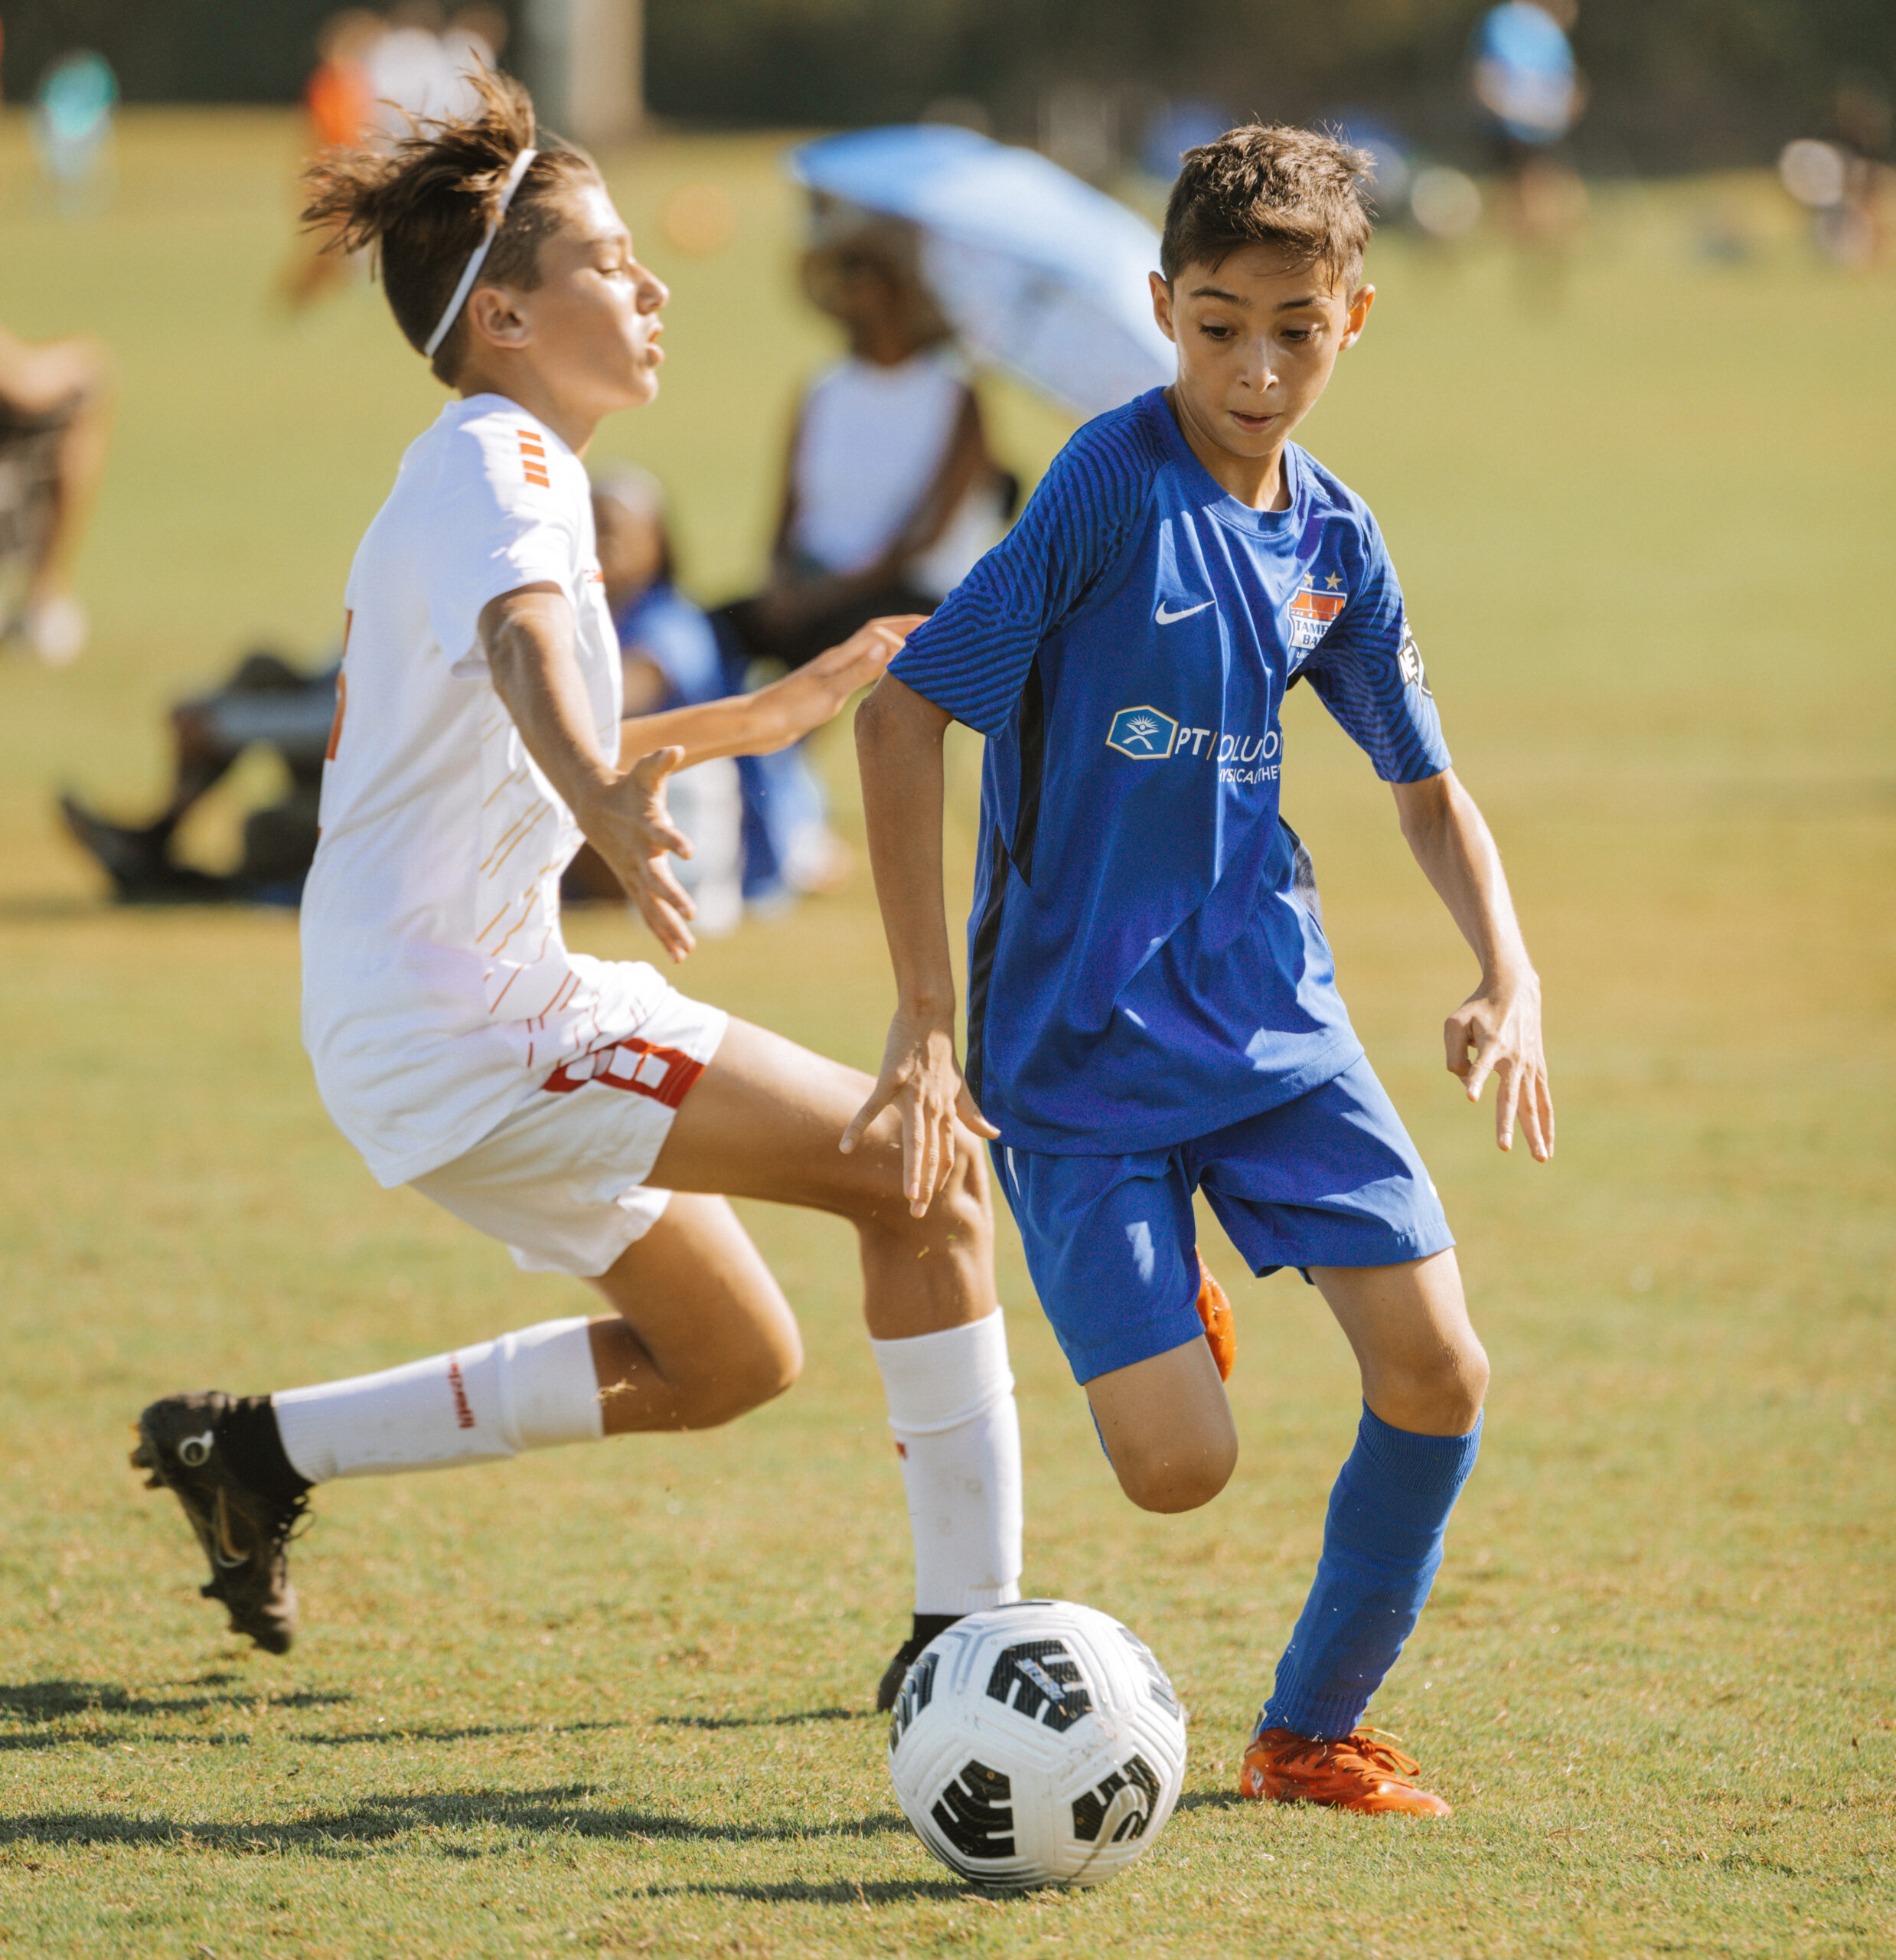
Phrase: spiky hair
[423,203]
[1298,190]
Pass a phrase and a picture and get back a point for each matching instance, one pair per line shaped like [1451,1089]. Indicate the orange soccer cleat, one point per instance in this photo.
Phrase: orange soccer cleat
[1221,1330]
[1360,1771]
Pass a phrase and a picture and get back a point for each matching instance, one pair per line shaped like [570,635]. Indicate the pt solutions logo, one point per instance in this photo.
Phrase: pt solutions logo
[1143,733]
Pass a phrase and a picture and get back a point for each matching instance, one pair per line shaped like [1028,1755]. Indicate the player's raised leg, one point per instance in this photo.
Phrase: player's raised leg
[763,1123]
[1167,1428]
[701,1335]
[1424,1376]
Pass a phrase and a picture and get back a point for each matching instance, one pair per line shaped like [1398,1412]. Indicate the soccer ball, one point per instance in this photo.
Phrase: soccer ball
[1037,1744]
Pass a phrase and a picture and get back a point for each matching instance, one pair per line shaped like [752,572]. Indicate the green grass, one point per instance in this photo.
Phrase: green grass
[615,1699]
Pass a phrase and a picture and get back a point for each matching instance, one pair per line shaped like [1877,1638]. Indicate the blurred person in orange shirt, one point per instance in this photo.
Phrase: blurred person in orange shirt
[340,100]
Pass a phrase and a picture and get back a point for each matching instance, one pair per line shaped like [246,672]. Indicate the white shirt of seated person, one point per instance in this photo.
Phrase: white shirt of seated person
[439,992]
[870,442]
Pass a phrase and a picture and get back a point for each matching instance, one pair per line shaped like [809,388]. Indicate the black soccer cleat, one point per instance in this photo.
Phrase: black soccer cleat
[927,1625]
[242,1530]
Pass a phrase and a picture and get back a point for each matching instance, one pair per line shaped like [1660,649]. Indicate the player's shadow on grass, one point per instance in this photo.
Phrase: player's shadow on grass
[349,1738]
[835,1892]
[570,1810]
[61,1699]
[763,1721]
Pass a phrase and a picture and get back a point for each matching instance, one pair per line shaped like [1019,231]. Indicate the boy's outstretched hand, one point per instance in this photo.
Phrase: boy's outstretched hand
[625,819]
[1497,1031]
[811,696]
[898,746]
[921,1079]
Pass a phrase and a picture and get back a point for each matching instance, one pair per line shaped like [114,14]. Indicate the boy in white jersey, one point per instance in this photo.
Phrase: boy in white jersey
[580,1111]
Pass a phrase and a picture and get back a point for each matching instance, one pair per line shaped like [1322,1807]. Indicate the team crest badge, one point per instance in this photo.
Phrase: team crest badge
[1143,733]
[1314,608]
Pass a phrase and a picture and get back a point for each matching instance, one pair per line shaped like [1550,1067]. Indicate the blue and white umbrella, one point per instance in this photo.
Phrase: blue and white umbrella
[1037,272]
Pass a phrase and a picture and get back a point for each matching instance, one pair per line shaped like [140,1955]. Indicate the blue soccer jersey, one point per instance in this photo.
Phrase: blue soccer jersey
[1143,965]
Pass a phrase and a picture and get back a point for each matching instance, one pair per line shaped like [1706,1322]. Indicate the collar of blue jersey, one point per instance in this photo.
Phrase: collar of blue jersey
[1218,501]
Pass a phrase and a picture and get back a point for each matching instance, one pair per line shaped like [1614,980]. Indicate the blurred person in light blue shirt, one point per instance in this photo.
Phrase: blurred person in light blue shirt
[1525,75]
[1531,93]
[757,823]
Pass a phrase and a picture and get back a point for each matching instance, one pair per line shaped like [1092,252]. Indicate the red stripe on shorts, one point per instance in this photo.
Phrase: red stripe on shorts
[641,1067]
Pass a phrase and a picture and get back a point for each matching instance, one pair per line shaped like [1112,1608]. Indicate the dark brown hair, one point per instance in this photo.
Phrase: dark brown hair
[1298,190]
[422,203]
[887,248]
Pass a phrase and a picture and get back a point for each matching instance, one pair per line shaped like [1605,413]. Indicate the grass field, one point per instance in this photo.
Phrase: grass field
[618,1700]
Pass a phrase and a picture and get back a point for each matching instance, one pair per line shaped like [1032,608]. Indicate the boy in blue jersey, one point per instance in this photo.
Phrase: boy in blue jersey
[1153,1008]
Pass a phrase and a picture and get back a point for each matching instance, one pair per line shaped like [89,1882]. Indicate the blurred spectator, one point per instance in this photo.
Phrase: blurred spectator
[268,700]
[669,657]
[418,69]
[337,97]
[890,493]
[1531,94]
[1846,184]
[72,117]
[55,401]
[374,78]
[339,100]
[674,656]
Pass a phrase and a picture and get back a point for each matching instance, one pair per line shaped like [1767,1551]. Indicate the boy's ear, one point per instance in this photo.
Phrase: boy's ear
[493,317]
[1356,313]
[1162,304]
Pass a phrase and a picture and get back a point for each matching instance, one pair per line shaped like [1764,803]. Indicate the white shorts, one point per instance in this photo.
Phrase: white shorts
[561,1182]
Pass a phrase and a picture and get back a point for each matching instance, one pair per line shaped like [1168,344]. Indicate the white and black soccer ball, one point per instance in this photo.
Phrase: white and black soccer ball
[1038,1743]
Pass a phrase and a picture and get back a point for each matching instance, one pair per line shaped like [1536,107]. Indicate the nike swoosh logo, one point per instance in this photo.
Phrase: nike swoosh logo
[1163,618]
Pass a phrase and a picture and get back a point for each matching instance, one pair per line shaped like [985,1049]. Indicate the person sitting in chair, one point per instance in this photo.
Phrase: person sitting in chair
[265,700]
[890,494]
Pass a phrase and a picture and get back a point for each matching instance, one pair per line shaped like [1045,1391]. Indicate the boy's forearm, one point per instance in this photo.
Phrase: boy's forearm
[1457,851]
[738,725]
[899,749]
[527,637]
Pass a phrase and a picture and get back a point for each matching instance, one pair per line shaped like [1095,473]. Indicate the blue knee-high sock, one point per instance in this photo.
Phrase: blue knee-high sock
[1383,1543]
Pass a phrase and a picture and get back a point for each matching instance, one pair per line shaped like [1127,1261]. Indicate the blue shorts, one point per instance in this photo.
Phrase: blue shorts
[1331,1178]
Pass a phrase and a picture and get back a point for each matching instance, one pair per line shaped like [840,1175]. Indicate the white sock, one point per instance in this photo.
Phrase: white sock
[952,1406]
[524,1391]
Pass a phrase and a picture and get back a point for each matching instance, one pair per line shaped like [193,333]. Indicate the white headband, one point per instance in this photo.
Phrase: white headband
[461,291]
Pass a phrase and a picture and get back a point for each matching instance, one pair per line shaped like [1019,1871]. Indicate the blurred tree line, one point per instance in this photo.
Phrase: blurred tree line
[1675,83]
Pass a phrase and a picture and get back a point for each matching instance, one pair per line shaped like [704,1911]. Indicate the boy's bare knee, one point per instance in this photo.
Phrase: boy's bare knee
[1169,1482]
[961,1213]
[965,1203]
[1438,1392]
[743,1381]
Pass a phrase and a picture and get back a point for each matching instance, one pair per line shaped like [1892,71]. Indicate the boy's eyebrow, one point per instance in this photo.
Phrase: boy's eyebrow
[1234,299]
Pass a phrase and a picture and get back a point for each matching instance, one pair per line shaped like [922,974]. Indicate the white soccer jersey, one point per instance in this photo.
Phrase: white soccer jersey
[437,991]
